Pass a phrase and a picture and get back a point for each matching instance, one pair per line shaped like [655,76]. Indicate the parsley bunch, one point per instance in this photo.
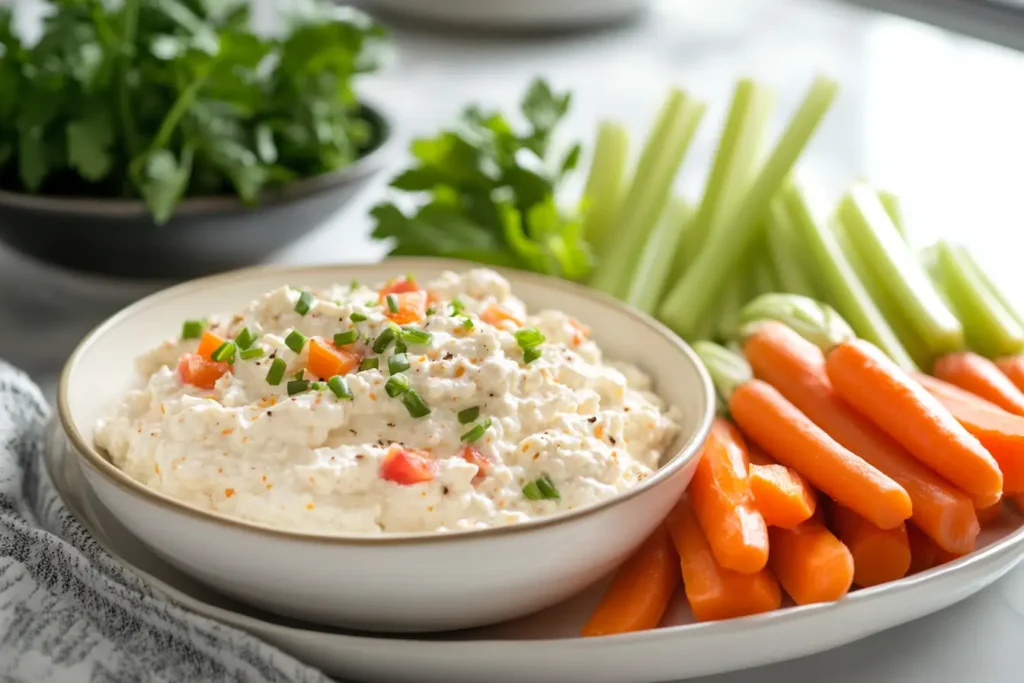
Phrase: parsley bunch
[163,99]
[486,193]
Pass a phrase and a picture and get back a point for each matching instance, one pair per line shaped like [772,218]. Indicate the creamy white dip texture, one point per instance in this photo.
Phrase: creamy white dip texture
[505,440]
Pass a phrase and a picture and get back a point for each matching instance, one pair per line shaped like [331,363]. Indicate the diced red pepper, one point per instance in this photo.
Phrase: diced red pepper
[406,467]
[199,371]
[474,457]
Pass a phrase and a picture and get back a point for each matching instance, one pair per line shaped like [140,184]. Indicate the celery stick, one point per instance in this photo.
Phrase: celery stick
[691,297]
[728,369]
[734,167]
[651,273]
[603,191]
[877,241]
[763,274]
[991,329]
[788,253]
[891,204]
[889,308]
[729,303]
[990,286]
[845,288]
[816,322]
[644,203]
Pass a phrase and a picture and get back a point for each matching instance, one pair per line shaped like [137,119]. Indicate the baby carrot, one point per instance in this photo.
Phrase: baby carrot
[796,367]
[713,592]
[641,590]
[791,438]
[991,515]
[782,496]
[720,492]
[924,554]
[870,382]
[982,377]
[1012,367]
[879,555]
[811,563]
[1000,432]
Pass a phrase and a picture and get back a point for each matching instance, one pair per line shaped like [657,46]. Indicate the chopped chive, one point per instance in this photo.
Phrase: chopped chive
[469,415]
[392,303]
[468,323]
[225,353]
[398,363]
[318,386]
[476,432]
[532,491]
[457,307]
[396,385]
[530,355]
[400,346]
[357,317]
[384,339]
[297,386]
[295,341]
[276,372]
[431,311]
[300,374]
[547,489]
[250,354]
[354,285]
[193,329]
[371,303]
[343,338]
[412,335]
[529,337]
[339,387]
[414,403]
[245,339]
[305,302]
[369,363]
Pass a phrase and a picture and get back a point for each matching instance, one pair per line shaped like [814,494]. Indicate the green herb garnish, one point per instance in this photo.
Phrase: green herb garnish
[411,335]
[357,317]
[476,432]
[457,307]
[318,386]
[297,386]
[250,354]
[396,385]
[344,338]
[414,403]
[245,338]
[295,341]
[225,353]
[276,372]
[305,302]
[469,415]
[398,363]
[339,387]
[384,339]
[541,489]
[369,363]
[530,355]
[392,302]
[193,329]
[529,338]
[467,323]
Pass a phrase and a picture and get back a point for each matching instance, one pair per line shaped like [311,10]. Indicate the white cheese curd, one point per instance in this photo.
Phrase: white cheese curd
[556,432]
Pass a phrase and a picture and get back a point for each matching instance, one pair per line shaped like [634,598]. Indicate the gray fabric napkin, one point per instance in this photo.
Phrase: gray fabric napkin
[71,612]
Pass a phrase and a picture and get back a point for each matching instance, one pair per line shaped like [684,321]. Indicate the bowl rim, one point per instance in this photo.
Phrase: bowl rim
[96,461]
[375,159]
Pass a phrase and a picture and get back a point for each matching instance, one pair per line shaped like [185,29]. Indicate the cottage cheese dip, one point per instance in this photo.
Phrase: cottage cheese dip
[402,407]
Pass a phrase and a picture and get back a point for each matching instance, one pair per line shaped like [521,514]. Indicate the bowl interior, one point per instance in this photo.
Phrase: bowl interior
[102,368]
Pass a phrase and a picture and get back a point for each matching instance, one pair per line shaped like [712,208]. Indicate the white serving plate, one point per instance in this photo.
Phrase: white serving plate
[546,644]
[514,14]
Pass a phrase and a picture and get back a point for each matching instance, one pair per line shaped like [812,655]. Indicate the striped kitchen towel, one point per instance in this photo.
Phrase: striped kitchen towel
[70,612]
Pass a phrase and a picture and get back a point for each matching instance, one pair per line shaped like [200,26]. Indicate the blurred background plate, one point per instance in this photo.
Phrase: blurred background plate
[514,14]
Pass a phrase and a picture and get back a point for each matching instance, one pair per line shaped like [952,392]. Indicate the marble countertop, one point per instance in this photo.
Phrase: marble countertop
[935,117]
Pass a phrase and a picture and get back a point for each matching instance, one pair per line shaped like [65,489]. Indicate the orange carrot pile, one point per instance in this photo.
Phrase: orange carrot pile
[782,496]
[722,501]
[810,562]
[713,592]
[982,377]
[640,592]
[924,554]
[1013,367]
[796,368]
[879,555]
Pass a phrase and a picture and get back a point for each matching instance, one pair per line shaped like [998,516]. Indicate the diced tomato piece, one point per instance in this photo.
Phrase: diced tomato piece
[474,457]
[412,307]
[400,285]
[406,467]
[209,343]
[495,315]
[326,360]
[199,371]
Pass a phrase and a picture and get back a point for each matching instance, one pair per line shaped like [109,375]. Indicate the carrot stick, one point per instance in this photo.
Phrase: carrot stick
[792,439]
[722,501]
[879,555]
[982,377]
[713,592]
[641,590]
[1012,367]
[1000,432]
[811,563]
[870,382]
[991,515]
[783,497]
[924,554]
[796,367]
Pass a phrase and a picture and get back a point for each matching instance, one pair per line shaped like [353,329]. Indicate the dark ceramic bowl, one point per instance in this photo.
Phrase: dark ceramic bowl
[205,235]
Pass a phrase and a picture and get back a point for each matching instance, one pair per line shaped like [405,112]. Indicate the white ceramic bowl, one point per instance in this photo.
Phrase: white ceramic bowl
[410,582]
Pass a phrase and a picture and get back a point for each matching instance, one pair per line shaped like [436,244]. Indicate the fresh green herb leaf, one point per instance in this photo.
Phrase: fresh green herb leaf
[276,372]
[357,317]
[251,354]
[225,353]
[339,387]
[384,339]
[369,363]
[477,432]
[411,335]
[414,403]
[298,386]
[305,303]
[392,301]
[398,363]
[396,385]
[295,341]
[193,329]
[245,338]
[469,415]
[529,337]
[530,355]
[344,338]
